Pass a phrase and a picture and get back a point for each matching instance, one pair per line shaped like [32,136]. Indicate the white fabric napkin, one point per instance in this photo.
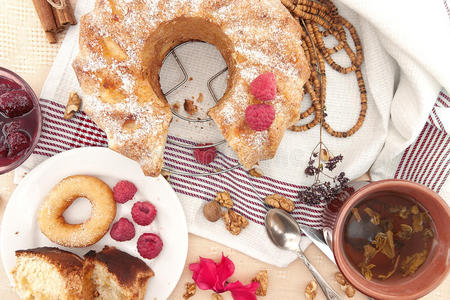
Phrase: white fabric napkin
[405,67]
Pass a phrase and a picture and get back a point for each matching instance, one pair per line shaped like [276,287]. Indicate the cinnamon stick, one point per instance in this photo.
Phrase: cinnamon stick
[48,23]
[51,37]
[63,16]
[68,11]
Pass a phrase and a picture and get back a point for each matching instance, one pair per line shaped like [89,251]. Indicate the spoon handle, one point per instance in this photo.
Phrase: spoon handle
[327,290]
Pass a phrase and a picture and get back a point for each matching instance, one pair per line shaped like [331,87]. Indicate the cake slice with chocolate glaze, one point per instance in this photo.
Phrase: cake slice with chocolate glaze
[118,275]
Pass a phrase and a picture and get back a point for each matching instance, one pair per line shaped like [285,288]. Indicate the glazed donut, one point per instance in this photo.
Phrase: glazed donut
[51,220]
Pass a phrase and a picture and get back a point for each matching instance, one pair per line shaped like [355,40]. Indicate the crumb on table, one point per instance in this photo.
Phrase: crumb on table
[190,107]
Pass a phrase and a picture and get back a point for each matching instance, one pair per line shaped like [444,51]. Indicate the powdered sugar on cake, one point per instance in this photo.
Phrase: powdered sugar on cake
[264,38]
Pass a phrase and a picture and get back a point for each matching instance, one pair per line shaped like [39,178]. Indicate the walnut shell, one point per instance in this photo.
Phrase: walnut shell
[212,211]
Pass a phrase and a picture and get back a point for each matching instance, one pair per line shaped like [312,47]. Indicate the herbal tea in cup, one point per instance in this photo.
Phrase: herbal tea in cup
[388,235]
[390,238]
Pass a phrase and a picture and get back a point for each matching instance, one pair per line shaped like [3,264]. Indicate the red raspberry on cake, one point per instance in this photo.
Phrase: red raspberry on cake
[259,117]
[205,155]
[124,191]
[143,213]
[149,245]
[264,87]
[122,230]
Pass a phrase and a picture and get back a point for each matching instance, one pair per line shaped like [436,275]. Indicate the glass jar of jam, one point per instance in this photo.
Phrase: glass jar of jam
[20,120]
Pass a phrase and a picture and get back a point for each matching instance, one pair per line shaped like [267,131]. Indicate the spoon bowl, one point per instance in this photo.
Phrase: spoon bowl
[282,229]
[285,233]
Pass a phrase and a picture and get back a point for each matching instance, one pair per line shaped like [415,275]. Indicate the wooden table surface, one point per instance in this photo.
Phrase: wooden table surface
[24,50]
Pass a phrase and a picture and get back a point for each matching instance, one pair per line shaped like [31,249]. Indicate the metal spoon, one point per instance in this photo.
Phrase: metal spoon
[285,233]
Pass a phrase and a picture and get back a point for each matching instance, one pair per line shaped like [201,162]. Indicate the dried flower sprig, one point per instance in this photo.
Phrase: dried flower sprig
[323,191]
[312,15]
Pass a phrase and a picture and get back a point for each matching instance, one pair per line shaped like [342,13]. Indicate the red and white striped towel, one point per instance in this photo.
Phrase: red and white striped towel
[426,161]
[60,135]
[404,135]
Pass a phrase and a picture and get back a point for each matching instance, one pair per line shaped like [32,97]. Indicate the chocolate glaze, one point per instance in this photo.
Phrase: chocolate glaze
[124,266]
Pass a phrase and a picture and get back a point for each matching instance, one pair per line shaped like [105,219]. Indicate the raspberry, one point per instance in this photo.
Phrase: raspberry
[124,191]
[7,85]
[122,230]
[149,245]
[17,142]
[11,127]
[259,117]
[205,155]
[15,103]
[264,87]
[143,212]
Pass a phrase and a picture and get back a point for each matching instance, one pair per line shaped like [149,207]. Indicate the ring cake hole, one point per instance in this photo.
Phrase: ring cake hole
[201,61]
[78,212]
[178,31]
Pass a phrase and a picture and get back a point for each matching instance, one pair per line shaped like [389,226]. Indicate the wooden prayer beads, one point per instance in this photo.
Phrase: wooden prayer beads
[320,19]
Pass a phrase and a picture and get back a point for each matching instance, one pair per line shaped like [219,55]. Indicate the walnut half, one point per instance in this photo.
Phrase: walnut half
[311,290]
[73,105]
[349,291]
[263,281]
[166,175]
[256,172]
[191,288]
[340,278]
[234,222]
[345,286]
[279,201]
[216,296]
[224,199]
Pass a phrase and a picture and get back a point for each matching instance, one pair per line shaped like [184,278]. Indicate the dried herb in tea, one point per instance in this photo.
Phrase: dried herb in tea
[384,277]
[411,263]
[356,214]
[417,222]
[405,232]
[374,216]
[366,270]
[389,247]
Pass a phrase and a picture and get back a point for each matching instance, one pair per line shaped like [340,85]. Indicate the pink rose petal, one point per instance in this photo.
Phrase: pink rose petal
[242,292]
[224,270]
[211,276]
[204,273]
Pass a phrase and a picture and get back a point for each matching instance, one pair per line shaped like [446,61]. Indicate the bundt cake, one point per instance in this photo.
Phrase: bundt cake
[122,46]
[51,274]
[118,275]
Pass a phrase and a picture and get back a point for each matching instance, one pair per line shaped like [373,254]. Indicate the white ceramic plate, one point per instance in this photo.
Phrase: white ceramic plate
[20,229]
